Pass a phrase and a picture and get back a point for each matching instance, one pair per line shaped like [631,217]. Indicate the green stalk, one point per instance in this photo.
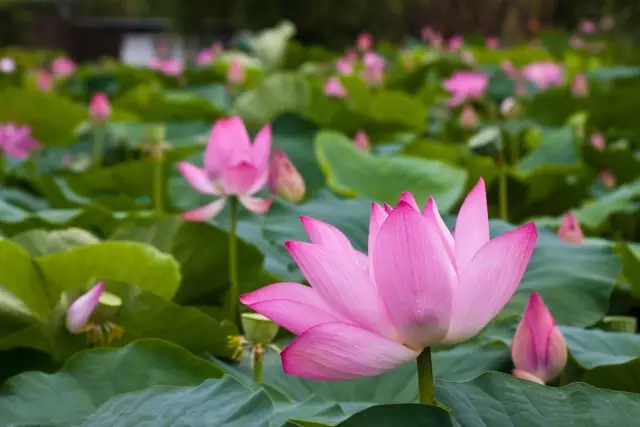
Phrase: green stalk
[426,386]
[233,262]
[158,196]
[258,358]
[98,143]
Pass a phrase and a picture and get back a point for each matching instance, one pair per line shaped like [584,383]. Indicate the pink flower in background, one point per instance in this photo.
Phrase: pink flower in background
[361,141]
[607,22]
[427,33]
[284,179]
[544,74]
[351,55]
[373,73]
[587,26]
[466,85]
[80,311]
[468,118]
[580,86]
[344,66]
[455,43]
[100,107]
[364,41]
[570,230]
[7,65]
[233,166]
[44,81]
[16,141]
[598,141]
[437,42]
[509,68]
[417,287]
[492,43]
[607,179]
[62,67]
[155,63]
[576,42]
[333,87]
[538,349]
[172,67]
[205,57]
[235,72]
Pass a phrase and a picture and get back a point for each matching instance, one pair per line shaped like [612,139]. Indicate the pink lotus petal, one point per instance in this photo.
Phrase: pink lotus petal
[228,143]
[327,235]
[414,276]
[293,306]
[378,216]
[255,204]
[343,284]
[244,179]
[447,238]
[197,177]
[489,281]
[80,311]
[99,107]
[261,148]
[472,226]
[408,199]
[205,212]
[570,230]
[526,376]
[334,351]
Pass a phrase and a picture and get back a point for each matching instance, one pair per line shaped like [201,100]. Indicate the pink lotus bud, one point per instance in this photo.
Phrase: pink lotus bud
[100,107]
[172,67]
[44,81]
[508,68]
[62,67]
[80,311]
[7,65]
[333,87]
[598,141]
[607,23]
[455,43]
[468,118]
[427,33]
[607,179]
[364,41]
[344,67]
[235,72]
[205,57]
[492,43]
[284,178]
[570,230]
[361,141]
[538,349]
[579,86]
[587,27]
[576,42]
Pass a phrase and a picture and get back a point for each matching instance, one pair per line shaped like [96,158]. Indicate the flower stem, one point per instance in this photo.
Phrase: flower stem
[426,388]
[502,184]
[158,196]
[233,262]
[98,143]
[258,358]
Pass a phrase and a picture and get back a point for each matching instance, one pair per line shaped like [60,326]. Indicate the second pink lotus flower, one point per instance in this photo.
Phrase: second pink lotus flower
[418,286]
[466,85]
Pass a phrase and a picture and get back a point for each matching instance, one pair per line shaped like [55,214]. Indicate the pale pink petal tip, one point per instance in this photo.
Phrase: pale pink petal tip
[526,376]
[205,212]
[81,309]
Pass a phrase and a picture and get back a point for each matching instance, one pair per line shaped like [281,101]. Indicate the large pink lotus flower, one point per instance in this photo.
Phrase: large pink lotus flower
[80,311]
[570,230]
[235,72]
[466,85]
[418,286]
[100,107]
[63,67]
[364,41]
[334,88]
[538,349]
[233,166]
[7,65]
[16,141]
[544,74]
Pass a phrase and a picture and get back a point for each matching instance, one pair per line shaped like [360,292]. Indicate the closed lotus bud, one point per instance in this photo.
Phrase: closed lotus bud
[468,118]
[361,141]
[258,330]
[570,230]
[607,179]
[579,86]
[80,311]
[597,141]
[538,349]
[364,42]
[284,178]
[333,87]
[492,43]
[44,81]
[235,72]
[100,107]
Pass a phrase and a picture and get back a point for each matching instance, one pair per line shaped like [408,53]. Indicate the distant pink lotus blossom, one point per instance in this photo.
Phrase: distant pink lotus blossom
[44,81]
[418,286]
[587,26]
[607,22]
[284,179]
[172,67]
[361,141]
[233,166]
[427,33]
[63,67]
[7,65]
[468,118]
[607,179]
[373,73]
[351,55]
[155,63]
[205,57]
[437,42]
[492,43]
[100,107]
[538,349]
[509,68]
[570,230]
[364,41]
[544,74]
[344,66]
[598,142]
[334,88]
[80,311]
[465,86]
[576,42]
[580,86]
[455,43]
[235,72]
[16,141]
